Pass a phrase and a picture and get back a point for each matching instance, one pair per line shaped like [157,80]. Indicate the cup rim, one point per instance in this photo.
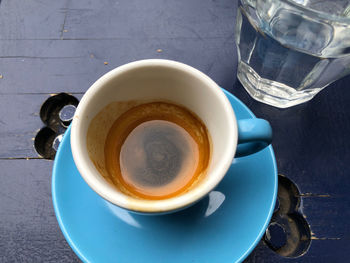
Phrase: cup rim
[107,191]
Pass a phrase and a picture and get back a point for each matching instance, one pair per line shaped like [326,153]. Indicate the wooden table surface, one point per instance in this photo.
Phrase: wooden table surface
[49,47]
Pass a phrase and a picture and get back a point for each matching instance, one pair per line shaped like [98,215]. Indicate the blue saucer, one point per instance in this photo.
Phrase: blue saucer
[223,227]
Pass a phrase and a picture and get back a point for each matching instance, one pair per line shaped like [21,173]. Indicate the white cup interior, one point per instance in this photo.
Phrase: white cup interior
[140,82]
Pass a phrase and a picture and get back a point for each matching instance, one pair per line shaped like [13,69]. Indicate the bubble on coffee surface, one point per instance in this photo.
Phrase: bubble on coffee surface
[157,154]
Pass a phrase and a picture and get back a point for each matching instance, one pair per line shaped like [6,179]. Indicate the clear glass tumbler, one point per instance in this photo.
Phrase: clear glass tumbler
[289,50]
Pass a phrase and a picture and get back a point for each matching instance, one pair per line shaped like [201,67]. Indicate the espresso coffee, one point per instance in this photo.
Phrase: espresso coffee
[157,150]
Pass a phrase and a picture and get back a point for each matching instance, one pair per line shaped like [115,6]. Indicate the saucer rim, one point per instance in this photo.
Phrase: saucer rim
[240,259]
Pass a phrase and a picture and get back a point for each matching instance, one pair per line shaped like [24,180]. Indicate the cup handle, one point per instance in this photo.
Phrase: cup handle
[253,136]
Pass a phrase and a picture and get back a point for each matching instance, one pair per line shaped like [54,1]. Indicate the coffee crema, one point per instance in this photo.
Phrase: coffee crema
[157,150]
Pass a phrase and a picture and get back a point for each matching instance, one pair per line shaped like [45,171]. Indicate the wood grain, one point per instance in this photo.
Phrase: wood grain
[51,66]
[29,231]
[64,46]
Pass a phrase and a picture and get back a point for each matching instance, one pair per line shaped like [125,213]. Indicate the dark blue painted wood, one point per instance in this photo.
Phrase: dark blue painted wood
[61,46]
[311,144]
[50,66]
[29,231]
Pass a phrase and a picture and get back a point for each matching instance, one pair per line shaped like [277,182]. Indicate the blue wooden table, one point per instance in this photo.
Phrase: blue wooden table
[49,47]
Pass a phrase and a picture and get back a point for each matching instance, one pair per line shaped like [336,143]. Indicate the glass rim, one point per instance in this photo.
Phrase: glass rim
[321,14]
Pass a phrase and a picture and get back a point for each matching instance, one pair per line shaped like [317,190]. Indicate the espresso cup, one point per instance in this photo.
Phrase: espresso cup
[160,80]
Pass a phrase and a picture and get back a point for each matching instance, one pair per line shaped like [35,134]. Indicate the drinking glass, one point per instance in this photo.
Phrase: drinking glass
[289,50]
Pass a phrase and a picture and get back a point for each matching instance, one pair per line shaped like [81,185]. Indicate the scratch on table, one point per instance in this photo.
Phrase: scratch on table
[54,94]
[9,197]
[314,237]
[314,195]
[227,39]
[119,38]
[325,238]
[65,19]
[210,67]
[35,57]
[76,9]
[21,158]
[193,31]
